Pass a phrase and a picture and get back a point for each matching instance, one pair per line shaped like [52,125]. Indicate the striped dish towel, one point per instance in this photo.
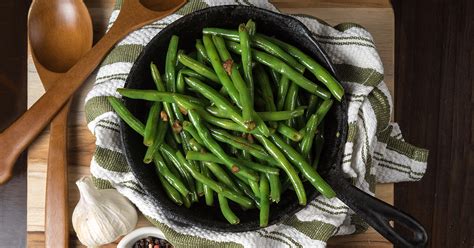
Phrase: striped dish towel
[375,150]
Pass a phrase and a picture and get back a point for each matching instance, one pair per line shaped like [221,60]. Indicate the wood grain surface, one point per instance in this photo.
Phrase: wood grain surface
[435,108]
[376,16]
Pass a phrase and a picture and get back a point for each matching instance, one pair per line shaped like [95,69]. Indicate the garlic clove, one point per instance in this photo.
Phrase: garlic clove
[101,216]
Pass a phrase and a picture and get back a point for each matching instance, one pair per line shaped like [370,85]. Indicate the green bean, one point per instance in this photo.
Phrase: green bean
[240,143]
[159,138]
[271,48]
[289,132]
[282,91]
[187,202]
[259,42]
[290,102]
[180,79]
[264,201]
[247,55]
[243,142]
[200,58]
[156,96]
[275,77]
[194,173]
[184,136]
[255,188]
[306,170]
[152,124]
[266,116]
[275,187]
[160,86]
[319,141]
[219,69]
[178,65]
[286,166]
[260,167]
[261,126]
[199,185]
[171,154]
[281,67]
[264,83]
[314,67]
[307,142]
[195,146]
[126,116]
[245,155]
[208,193]
[323,109]
[267,94]
[244,94]
[300,121]
[226,211]
[291,97]
[188,127]
[202,51]
[170,177]
[218,172]
[312,105]
[198,68]
[208,157]
[221,175]
[218,100]
[217,112]
[251,27]
[222,123]
[215,148]
[282,115]
[171,192]
[170,64]
[248,192]
[171,168]
[170,73]
[218,188]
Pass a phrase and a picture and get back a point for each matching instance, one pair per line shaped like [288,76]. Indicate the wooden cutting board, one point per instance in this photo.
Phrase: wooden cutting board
[375,15]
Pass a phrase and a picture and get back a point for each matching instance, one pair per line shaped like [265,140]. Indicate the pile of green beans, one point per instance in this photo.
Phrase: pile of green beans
[240,118]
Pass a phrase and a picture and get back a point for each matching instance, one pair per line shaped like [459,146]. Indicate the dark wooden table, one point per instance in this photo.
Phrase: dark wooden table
[13,53]
[434,73]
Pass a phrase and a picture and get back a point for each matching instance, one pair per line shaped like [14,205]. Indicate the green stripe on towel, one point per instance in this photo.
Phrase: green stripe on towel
[97,106]
[381,106]
[355,74]
[123,53]
[315,229]
[111,160]
[101,183]
[409,150]
[189,241]
[191,7]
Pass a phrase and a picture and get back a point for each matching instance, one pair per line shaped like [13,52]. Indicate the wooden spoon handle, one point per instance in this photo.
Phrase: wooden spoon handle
[57,217]
[15,139]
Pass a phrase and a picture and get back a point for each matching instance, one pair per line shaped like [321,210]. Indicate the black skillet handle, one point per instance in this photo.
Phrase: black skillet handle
[378,214]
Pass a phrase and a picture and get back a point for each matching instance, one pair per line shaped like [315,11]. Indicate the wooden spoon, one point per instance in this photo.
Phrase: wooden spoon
[60,33]
[133,15]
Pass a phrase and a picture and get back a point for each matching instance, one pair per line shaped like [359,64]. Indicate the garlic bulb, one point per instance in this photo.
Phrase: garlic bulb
[101,216]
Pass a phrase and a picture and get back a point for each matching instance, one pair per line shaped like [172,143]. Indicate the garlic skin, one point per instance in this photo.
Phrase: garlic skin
[101,216]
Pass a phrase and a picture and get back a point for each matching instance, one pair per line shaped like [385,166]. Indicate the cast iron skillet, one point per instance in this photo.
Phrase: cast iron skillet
[375,212]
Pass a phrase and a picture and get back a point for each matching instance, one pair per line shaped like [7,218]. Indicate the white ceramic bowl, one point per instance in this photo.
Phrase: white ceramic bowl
[140,233]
